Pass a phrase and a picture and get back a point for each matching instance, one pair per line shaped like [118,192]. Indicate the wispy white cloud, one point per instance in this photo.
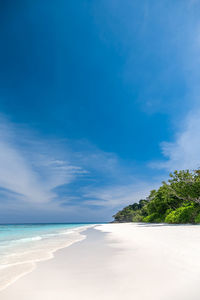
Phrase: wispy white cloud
[119,195]
[184,152]
[28,169]
[34,171]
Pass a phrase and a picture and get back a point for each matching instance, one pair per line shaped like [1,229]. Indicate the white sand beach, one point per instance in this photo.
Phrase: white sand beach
[119,261]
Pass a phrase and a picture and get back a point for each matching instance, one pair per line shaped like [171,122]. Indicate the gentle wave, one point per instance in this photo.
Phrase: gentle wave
[34,238]
[23,254]
[23,240]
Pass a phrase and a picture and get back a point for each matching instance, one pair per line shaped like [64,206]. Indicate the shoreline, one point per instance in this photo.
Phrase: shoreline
[29,265]
[116,261]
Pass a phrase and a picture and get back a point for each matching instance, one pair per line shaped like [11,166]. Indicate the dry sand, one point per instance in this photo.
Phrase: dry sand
[119,261]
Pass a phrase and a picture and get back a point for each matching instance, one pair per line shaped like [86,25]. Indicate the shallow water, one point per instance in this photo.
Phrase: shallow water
[21,246]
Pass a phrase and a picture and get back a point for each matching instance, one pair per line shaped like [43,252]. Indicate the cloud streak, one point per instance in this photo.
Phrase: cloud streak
[184,152]
[31,175]
[52,180]
[119,195]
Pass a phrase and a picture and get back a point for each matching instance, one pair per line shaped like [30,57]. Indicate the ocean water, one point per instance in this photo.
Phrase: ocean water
[22,246]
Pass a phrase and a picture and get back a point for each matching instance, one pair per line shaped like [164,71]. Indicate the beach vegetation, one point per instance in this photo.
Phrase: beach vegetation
[176,201]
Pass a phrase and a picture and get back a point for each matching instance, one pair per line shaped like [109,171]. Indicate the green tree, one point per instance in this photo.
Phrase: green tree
[175,201]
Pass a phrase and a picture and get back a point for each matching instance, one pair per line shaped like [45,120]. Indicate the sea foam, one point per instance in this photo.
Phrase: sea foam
[22,247]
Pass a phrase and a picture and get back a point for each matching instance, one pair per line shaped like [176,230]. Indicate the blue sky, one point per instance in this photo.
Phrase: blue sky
[99,101]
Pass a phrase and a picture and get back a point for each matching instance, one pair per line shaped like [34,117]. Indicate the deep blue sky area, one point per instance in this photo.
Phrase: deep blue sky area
[90,91]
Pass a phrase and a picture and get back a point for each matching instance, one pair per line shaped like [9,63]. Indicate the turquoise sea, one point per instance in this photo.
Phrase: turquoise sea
[23,245]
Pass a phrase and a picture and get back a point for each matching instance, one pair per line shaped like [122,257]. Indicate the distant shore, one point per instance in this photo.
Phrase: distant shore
[119,261]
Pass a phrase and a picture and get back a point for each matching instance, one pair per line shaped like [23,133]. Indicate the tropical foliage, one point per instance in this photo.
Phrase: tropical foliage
[177,201]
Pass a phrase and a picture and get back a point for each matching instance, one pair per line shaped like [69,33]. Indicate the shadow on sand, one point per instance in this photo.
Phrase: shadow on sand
[163,225]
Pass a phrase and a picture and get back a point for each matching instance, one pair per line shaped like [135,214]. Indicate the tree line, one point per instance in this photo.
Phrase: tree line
[176,201]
